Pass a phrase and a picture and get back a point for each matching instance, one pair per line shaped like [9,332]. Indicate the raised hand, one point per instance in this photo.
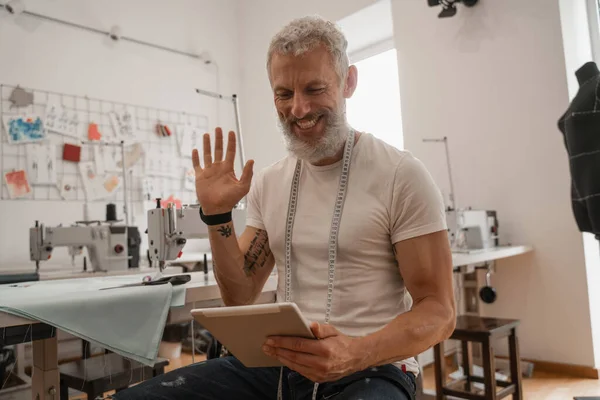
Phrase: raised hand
[217,188]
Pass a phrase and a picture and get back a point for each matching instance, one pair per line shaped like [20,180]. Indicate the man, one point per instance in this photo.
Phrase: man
[355,227]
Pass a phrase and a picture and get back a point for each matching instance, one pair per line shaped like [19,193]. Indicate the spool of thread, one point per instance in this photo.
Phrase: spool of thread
[111,212]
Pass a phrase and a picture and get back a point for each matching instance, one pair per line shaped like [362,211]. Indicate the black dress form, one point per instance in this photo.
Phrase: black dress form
[580,126]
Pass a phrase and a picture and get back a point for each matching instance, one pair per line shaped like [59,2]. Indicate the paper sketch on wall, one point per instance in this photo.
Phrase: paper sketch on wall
[189,179]
[97,186]
[41,164]
[162,161]
[62,120]
[24,129]
[123,123]
[106,158]
[149,189]
[17,184]
[190,137]
[68,187]
[133,154]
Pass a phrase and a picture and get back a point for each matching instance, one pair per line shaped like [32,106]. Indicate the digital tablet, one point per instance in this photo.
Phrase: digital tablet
[244,329]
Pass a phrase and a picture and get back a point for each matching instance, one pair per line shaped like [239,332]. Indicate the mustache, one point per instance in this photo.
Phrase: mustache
[292,119]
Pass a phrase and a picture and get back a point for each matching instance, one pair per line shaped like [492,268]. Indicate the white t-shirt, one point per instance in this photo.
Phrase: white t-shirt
[390,197]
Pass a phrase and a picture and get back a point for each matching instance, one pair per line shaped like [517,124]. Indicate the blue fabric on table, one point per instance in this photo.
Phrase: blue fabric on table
[128,321]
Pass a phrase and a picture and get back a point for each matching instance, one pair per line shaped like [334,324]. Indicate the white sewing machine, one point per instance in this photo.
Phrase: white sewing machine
[472,230]
[106,244]
[170,228]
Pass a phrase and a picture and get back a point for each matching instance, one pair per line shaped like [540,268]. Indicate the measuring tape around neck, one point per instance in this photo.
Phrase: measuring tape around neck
[335,223]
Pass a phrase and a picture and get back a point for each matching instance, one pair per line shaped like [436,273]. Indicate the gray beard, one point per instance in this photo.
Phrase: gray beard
[336,131]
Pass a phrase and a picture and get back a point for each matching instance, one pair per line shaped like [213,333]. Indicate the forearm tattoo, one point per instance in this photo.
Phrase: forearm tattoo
[258,253]
[225,230]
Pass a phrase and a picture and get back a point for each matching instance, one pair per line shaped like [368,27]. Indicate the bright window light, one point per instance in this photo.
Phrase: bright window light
[375,105]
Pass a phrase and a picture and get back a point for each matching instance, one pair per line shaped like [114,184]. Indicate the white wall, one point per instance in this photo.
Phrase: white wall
[54,57]
[493,79]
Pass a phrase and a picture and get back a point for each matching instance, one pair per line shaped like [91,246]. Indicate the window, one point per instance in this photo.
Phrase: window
[375,105]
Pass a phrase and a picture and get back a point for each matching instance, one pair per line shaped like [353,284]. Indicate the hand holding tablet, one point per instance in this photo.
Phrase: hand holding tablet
[243,330]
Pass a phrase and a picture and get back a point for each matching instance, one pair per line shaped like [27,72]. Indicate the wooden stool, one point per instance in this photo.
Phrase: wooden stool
[481,330]
[96,375]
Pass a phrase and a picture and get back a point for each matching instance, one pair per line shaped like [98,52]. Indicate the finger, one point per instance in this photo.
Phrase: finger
[303,359]
[230,155]
[218,145]
[247,173]
[308,372]
[323,331]
[286,357]
[310,346]
[207,152]
[196,161]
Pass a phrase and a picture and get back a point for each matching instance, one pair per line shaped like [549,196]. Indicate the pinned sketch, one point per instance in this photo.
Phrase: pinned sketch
[132,155]
[162,161]
[189,138]
[148,188]
[41,164]
[123,123]
[17,184]
[111,183]
[61,120]
[20,97]
[160,166]
[23,129]
[97,186]
[68,187]
[106,159]
[189,179]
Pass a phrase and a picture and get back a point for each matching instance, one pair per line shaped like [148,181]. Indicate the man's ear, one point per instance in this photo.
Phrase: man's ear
[351,81]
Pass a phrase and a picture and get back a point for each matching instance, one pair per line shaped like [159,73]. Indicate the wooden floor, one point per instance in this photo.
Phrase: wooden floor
[542,386]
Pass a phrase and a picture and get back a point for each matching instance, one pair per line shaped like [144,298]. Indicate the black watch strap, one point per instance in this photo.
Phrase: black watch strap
[216,219]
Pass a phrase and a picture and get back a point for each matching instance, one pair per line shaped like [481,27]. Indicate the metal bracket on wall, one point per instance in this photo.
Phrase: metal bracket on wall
[17,7]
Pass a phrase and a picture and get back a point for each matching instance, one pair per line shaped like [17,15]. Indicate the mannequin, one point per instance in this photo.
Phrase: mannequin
[580,126]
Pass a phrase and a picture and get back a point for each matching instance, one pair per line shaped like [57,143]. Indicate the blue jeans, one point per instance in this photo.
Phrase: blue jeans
[226,378]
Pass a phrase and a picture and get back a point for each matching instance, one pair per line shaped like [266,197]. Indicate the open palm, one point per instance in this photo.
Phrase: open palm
[217,188]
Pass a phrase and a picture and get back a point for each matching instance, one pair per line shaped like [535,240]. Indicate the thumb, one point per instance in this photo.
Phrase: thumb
[247,173]
[322,331]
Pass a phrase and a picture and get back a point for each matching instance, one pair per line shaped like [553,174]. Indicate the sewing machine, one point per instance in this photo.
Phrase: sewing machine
[170,228]
[471,230]
[106,244]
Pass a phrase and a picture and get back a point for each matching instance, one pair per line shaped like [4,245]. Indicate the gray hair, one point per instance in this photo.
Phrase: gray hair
[307,33]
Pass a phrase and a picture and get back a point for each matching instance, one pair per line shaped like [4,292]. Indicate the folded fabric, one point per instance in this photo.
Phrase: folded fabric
[128,321]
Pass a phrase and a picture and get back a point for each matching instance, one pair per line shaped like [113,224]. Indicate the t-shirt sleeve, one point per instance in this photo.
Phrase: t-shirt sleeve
[254,197]
[417,204]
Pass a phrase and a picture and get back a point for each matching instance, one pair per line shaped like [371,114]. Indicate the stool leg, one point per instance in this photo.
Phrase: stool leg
[440,370]
[64,390]
[467,361]
[489,369]
[515,364]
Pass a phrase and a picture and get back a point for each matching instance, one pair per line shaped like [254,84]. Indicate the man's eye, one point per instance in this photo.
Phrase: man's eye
[284,95]
[316,90]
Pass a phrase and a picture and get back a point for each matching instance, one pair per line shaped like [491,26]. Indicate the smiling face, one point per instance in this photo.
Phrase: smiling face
[310,101]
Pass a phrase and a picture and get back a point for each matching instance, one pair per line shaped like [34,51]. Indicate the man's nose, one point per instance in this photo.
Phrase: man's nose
[300,106]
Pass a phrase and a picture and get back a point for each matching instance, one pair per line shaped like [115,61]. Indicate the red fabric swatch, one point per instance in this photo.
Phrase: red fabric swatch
[71,153]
